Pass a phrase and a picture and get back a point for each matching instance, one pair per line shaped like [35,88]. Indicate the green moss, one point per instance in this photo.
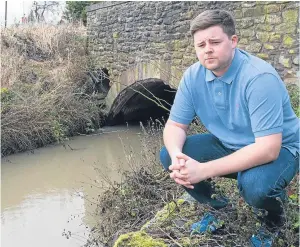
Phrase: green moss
[168,211]
[290,16]
[138,239]
[288,41]
[116,35]
[263,36]
[263,55]
[285,28]
[269,47]
[275,37]
[244,41]
[264,27]
[292,51]
[285,61]
[176,44]
[272,8]
[189,14]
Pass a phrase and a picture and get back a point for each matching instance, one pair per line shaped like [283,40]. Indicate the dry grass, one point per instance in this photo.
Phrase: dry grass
[43,74]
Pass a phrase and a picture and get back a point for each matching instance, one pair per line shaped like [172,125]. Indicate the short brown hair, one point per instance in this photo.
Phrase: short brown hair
[209,18]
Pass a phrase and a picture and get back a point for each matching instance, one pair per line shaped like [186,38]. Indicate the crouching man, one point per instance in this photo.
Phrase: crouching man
[244,104]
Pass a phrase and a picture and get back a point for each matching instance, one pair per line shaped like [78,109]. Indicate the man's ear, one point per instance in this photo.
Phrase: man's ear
[234,40]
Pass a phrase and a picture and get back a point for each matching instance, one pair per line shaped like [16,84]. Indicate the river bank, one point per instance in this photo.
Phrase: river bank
[148,209]
[46,93]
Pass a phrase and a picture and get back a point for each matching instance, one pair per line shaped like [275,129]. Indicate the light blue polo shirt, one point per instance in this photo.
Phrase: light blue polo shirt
[248,101]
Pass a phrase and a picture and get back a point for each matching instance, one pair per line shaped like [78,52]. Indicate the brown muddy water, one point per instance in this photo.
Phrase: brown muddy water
[50,190]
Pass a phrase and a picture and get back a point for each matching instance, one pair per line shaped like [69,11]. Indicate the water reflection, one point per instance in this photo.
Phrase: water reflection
[44,193]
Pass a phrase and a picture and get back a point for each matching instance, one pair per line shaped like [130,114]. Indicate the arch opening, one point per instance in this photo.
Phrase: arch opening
[142,101]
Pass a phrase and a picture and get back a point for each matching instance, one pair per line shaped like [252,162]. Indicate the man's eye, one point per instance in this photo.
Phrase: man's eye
[216,42]
[201,46]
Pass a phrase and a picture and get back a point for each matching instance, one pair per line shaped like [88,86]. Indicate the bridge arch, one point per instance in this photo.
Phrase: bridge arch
[140,101]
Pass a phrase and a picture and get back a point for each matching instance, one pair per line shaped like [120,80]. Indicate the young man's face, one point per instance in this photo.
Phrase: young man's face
[214,49]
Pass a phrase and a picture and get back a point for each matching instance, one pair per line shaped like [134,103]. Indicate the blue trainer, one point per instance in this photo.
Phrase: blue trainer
[208,223]
[262,239]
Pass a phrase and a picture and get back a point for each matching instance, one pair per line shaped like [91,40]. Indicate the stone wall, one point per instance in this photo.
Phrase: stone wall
[123,34]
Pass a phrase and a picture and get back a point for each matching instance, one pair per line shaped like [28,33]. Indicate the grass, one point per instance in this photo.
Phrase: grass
[43,80]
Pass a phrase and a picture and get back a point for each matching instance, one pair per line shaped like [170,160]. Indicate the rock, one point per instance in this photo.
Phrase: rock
[273,19]
[272,8]
[264,27]
[254,47]
[286,62]
[275,37]
[286,28]
[296,60]
[269,47]
[263,36]
[247,33]
[288,41]
[263,56]
[290,16]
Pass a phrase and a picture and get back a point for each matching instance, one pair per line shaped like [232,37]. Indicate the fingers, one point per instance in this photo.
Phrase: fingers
[181,162]
[177,174]
[183,156]
[175,167]
[184,183]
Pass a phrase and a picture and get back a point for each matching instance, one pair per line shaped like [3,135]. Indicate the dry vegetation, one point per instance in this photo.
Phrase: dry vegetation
[127,207]
[43,79]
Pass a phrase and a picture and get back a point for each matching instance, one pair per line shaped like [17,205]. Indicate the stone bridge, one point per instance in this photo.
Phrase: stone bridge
[146,46]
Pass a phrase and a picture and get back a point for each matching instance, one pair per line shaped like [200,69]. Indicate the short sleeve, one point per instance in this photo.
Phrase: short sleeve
[264,96]
[182,110]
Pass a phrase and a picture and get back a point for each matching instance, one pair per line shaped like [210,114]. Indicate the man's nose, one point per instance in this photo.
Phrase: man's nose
[208,49]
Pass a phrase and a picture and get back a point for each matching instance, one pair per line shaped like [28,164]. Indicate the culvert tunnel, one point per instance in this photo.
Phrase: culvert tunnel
[138,102]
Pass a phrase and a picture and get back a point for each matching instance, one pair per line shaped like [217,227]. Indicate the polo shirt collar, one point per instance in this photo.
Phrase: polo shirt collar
[230,73]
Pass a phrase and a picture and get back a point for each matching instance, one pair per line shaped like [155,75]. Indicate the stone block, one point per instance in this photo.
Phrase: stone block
[272,8]
[285,28]
[254,47]
[247,33]
[253,12]
[248,4]
[263,55]
[245,23]
[290,16]
[264,27]
[288,41]
[263,36]
[275,37]
[296,60]
[273,19]
[269,47]
[292,51]
[244,41]
[259,19]
[237,14]
[286,62]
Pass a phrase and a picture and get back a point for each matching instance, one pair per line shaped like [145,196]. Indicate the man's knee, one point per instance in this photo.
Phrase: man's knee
[257,193]
[165,158]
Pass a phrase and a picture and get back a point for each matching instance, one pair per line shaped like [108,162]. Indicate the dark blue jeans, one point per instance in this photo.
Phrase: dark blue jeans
[259,186]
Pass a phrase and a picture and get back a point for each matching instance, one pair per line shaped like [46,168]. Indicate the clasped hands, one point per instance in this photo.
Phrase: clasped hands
[186,171]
